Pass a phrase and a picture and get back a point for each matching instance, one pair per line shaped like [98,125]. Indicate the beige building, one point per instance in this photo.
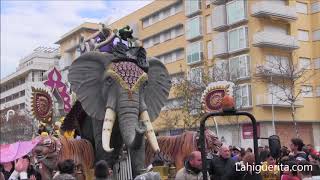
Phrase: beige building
[253,42]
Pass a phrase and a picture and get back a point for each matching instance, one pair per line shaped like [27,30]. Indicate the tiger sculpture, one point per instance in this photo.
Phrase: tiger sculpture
[176,149]
[50,151]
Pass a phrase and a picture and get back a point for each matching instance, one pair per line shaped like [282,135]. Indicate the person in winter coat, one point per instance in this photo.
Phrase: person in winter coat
[192,168]
[222,167]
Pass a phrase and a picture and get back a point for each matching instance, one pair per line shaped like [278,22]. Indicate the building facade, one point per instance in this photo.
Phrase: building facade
[16,87]
[253,43]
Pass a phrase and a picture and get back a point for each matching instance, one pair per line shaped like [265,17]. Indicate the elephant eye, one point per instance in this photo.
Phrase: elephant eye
[109,81]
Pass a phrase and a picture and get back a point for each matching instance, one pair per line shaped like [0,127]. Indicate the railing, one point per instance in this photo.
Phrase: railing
[218,2]
[275,40]
[265,100]
[268,8]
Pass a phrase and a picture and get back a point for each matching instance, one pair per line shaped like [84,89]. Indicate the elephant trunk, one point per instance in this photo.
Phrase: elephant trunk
[132,130]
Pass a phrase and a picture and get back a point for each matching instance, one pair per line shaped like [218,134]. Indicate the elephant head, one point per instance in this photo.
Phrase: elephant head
[119,90]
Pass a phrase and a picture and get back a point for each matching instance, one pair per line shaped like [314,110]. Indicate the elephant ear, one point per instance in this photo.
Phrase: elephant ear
[157,89]
[87,79]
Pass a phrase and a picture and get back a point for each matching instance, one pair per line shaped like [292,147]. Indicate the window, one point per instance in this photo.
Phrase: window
[194,52]
[193,28]
[243,96]
[40,75]
[162,14]
[171,56]
[315,7]
[275,29]
[316,35]
[147,43]
[236,11]
[177,78]
[304,63]
[306,91]
[220,71]
[317,63]
[165,36]
[156,39]
[239,67]
[302,7]
[238,39]
[208,24]
[22,93]
[209,49]
[278,94]
[33,76]
[195,75]
[277,64]
[192,6]
[173,104]
[303,35]
[318,91]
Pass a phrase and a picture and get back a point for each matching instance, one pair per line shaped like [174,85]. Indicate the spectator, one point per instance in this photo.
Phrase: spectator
[311,149]
[290,175]
[66,170]
[20,170]
[315,162]
[250,174]
[296,149]
[222,167]
[249,150]
[7,169]
[101,170]
[284,151]
[263,156]
[306,173]
[192,168]
[236,152]
[270,171]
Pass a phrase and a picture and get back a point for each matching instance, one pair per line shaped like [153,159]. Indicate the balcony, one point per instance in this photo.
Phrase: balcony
[218,2]
[219,18]
[273,10]
[220,44]
[264,70]
[275,40]
[265,100]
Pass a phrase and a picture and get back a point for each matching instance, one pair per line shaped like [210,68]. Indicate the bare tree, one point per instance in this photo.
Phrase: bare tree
[18,127]
[288,78]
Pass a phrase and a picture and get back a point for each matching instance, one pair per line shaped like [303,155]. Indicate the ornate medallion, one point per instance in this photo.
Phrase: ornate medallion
[214,93]
[41,106]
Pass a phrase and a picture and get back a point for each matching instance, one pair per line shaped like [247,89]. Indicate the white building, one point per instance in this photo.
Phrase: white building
[16,87]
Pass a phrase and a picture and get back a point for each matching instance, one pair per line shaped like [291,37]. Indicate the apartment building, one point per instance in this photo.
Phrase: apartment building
[244,38]
[16,87]
[69,43]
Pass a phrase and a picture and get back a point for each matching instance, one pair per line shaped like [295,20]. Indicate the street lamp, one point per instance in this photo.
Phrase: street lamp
[8,113]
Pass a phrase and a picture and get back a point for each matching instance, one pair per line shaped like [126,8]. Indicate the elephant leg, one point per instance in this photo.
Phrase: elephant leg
[137,160]
[116,142]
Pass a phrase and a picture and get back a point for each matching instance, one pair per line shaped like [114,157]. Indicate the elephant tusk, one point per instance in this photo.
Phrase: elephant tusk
[109,119]
[151,136]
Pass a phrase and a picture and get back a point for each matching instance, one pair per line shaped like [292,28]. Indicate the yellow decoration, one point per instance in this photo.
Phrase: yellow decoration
[69,134]
[44,134]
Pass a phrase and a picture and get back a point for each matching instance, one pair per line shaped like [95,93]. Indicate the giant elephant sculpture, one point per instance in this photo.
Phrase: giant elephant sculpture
[122,93]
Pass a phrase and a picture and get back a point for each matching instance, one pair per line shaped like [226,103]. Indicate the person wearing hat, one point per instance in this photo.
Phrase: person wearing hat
[236,153]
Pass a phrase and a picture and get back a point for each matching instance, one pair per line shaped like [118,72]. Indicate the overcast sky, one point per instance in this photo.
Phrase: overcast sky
[25,25]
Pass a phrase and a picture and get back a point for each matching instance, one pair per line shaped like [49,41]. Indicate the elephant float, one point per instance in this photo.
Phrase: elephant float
[122,93]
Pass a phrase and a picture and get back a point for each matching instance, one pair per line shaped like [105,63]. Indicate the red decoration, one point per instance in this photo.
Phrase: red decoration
[41,105]
[227,102]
